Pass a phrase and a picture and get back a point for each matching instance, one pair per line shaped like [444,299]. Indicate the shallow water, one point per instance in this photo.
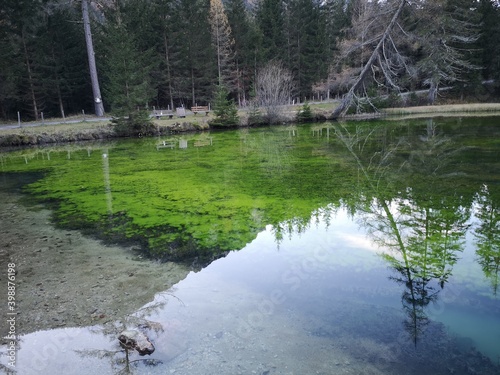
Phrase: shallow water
[320,302]
[374,259]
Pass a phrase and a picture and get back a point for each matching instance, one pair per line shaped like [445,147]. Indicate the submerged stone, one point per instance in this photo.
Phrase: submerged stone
[132,339]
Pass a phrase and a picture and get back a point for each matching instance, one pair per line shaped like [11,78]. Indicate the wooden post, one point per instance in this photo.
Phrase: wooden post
[18,119]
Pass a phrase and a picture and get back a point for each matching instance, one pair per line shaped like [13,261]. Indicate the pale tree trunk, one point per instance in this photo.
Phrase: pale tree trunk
[341,110]
[99,107]
[431,98]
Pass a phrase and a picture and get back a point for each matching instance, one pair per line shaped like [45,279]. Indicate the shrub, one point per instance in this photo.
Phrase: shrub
[254,115]
[305,114]
[136,124]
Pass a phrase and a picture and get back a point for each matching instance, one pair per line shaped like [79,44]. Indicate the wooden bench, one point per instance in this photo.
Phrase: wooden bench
[200,108]
[158,113]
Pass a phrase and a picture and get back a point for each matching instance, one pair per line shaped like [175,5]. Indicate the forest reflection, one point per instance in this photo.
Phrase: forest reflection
[421,226]
[417,188]
[487,234]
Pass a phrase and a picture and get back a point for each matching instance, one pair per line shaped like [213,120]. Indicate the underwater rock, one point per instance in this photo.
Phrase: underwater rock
[132,339]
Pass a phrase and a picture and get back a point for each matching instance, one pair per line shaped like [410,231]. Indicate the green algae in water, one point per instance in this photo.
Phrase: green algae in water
[426,192]
[216,194]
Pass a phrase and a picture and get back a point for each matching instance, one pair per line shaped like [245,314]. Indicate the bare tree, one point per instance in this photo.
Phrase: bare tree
[98,104]
[378,55]
[426,47]
[274,87]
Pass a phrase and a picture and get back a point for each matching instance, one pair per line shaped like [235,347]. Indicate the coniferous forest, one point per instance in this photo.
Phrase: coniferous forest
[172,53]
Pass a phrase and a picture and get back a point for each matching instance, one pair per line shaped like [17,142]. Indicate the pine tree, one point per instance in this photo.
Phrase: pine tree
[431,50]
[10,66]
[127,84]
[225,111]
[222,42]
[308,49]
[445,31]
[195,69]
[247,47]
[22,23]
[489,41]
[63,63]
[271,21]
[127,70]
[163,19]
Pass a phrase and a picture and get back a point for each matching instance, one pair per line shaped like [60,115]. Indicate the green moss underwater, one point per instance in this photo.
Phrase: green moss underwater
[201,195]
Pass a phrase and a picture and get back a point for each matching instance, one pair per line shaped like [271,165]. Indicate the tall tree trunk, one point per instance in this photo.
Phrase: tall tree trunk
[341,110]
[99,107]
[58,87]
[30,78]
[193,87]
[169,75]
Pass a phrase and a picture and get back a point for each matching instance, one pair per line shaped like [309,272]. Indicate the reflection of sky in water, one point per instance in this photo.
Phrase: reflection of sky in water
[316,301]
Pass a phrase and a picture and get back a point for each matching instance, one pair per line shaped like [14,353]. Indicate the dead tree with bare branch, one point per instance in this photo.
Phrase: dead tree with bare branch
[433,52]
[378,55]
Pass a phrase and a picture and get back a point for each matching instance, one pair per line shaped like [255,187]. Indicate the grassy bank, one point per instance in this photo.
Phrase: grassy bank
[444,109]
[29,134]
[72,130]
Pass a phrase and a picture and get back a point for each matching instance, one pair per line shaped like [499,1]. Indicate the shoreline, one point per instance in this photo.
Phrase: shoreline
[93,130]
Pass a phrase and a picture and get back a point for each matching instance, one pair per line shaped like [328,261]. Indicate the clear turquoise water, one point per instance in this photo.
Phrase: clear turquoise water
[369,252]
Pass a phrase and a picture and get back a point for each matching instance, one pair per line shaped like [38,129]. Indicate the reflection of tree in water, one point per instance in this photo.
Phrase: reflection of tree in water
[421,234]
[119,359]
[487,233]
[300,224]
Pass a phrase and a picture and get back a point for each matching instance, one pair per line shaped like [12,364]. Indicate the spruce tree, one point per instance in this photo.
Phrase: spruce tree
[489,41]
[196,70]
[247,48]
[308,48]
[225,111]
[271,20]
[127,85]
[63,64]
[22,22]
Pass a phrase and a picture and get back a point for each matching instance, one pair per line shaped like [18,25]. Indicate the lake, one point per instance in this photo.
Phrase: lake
[337,248]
